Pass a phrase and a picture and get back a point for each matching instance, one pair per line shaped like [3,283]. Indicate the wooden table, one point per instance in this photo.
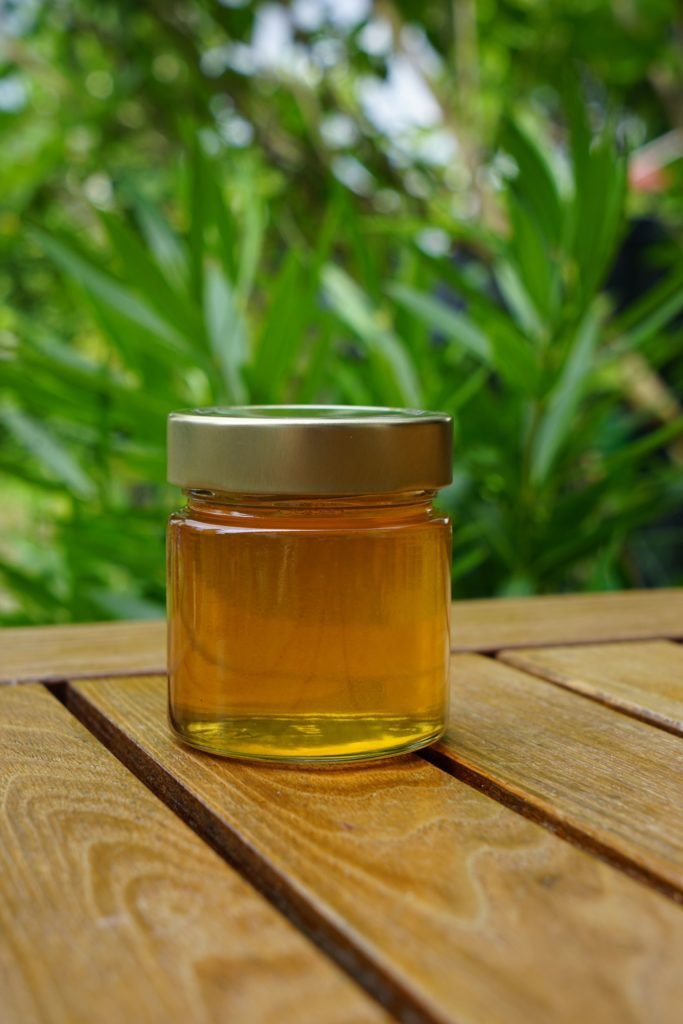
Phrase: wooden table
[529,868]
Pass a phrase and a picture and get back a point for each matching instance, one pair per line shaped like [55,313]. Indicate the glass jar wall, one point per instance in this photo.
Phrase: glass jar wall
[308,581]
[308,629]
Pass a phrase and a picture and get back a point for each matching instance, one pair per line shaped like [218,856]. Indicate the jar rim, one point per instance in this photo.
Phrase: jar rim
[309,449]
[284,415]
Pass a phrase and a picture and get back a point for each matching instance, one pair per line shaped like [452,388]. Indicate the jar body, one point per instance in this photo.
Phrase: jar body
[308,630]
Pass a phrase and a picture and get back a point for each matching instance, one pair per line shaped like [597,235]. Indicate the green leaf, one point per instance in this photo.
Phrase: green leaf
[142,350]
[34,590]
[576,114]
[557,420]
[354,309]
[454,401]
[196,208]
[227,244]
[226,331]
[517,585]
[309,387]
[651,302]
[614,198]
[351,386]
[468,561]
[514,357]
[113,294]
[69,360]
[15,465]
[537,266]
[651,324]
[54,458]
[168,249]
[517,299]
[502,348]
[597,211]
[84,383]
[437,315]
[536,185]
[279,343]
[250,247]
[634,452]
[144,275]
[126,605]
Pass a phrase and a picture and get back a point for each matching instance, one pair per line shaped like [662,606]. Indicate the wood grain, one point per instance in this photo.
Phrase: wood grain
[644,680]
[112,909]
[475,914]
[567,619]
[55,653]
[49,653]
[612,781]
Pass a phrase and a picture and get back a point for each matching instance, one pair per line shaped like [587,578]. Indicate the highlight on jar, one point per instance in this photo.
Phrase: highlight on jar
[309,581]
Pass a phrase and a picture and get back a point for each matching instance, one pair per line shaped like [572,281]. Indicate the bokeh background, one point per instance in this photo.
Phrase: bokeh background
[472,206]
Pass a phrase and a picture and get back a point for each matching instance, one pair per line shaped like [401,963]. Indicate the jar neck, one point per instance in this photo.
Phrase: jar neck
[400,503]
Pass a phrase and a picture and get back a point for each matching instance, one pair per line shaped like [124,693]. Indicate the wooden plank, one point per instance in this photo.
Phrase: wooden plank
[644,680]
[50,653]
[55,653]
[112,909]
[609,780]
[474,913]
[567,619]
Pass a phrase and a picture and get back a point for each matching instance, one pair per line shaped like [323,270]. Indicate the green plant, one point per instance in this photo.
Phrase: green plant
[182,227]
[179,324]
[553,470]
[556,465]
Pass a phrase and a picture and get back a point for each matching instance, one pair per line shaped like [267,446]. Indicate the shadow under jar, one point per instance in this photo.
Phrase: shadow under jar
[308,581]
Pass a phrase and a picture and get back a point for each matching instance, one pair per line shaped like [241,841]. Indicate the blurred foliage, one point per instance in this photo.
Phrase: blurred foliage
[209,203]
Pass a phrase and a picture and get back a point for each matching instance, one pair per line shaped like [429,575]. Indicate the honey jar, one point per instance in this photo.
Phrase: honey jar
[308,581]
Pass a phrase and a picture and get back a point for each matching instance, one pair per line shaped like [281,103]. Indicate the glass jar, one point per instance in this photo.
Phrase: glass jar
[308,581]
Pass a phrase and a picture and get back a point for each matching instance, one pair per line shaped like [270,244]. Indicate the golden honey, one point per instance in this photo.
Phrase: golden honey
[307,627]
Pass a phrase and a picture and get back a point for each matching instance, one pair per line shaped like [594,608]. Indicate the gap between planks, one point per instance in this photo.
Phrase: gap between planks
[442,756]
[557,885]
[642,679]
[230,846]
[112,909]
[448,763]
[602,780]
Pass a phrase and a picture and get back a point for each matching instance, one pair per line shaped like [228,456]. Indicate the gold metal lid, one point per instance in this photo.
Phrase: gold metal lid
[309,449]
